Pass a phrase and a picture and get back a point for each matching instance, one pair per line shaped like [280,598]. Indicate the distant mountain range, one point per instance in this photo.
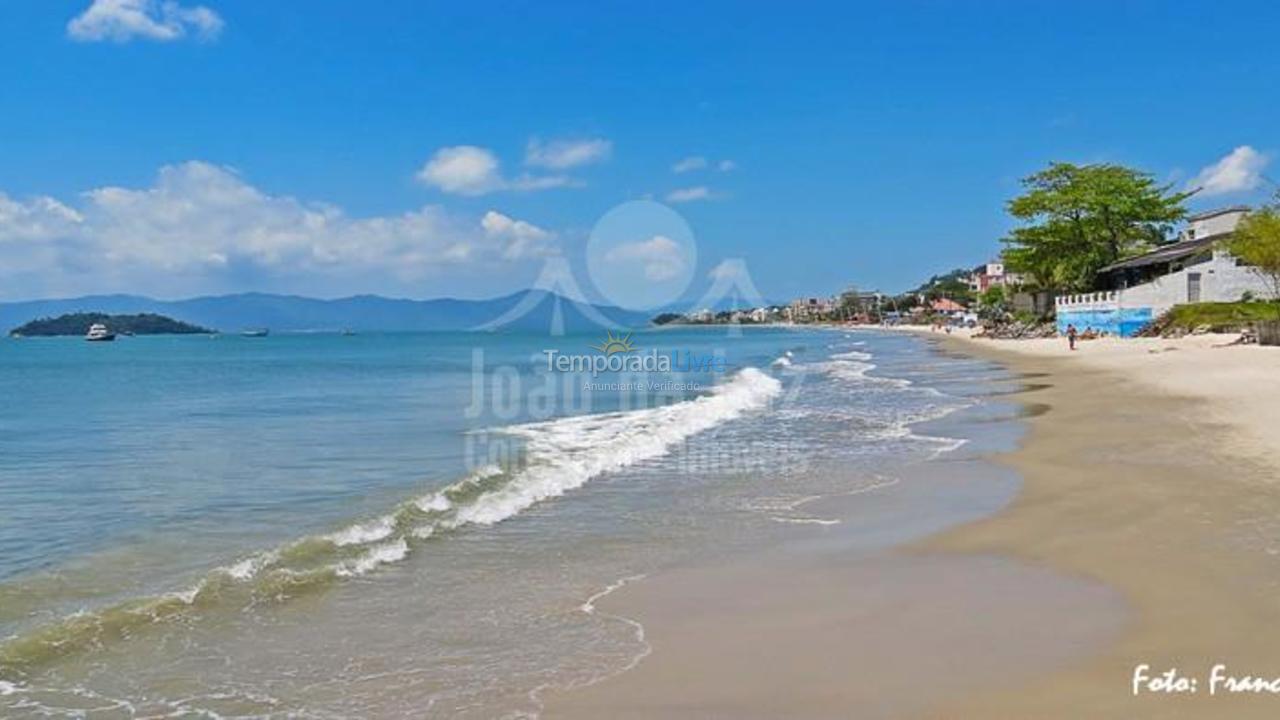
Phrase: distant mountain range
[528,310]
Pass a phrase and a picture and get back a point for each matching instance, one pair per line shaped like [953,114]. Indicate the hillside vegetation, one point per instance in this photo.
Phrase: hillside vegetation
[1211,317]
[78,324]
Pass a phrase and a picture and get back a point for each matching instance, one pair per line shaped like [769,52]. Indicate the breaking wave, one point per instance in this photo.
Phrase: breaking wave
[852,367]
[559,456]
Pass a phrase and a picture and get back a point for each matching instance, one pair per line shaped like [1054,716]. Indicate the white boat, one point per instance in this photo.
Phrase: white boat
[254,332]
[99,333]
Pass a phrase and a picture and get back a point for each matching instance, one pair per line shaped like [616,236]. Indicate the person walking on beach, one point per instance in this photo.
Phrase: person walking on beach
[1071,336]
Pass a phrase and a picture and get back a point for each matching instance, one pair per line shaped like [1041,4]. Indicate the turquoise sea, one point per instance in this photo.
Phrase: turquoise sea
[408,525]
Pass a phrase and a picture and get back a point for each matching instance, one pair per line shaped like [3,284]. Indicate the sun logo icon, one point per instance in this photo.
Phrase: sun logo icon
[615,344]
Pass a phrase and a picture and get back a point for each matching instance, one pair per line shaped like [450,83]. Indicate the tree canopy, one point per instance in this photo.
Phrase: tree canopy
[1256,241]
[953,285]
[1077,219]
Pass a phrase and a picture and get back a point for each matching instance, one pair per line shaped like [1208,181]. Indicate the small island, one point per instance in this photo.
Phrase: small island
[78,324]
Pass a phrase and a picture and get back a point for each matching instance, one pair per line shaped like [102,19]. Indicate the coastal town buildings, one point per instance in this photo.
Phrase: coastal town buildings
[863,303]
[992,274]
[1133,292]
[947,306]
[810,308]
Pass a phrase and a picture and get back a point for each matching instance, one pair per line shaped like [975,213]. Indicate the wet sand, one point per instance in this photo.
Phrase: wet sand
[1136,478]
[1146,530]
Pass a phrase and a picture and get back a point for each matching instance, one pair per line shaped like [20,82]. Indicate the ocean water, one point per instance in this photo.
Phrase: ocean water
[408,525]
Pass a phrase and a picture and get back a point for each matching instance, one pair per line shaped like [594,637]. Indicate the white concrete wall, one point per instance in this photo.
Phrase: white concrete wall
[1221,280]
[1215,225]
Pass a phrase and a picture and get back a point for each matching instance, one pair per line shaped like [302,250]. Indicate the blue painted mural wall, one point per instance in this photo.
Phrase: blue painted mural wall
[1125,322]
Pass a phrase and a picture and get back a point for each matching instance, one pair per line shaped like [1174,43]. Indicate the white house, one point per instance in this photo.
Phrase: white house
[1214,222]
[1139,289]
[992,274]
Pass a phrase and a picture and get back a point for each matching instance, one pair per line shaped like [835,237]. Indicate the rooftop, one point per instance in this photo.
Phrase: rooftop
[1220,211]
[1168,253]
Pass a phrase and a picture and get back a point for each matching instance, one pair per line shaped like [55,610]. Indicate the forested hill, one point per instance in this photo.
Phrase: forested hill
[78,324]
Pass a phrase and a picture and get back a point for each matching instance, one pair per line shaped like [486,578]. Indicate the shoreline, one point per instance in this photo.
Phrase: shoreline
[1142,503]
[1151,476]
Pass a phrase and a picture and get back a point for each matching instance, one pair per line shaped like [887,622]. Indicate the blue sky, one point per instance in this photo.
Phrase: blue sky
[226,145]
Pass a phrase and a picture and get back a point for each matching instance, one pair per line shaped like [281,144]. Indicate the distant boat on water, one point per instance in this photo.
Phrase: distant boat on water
[99,333]
[254,332]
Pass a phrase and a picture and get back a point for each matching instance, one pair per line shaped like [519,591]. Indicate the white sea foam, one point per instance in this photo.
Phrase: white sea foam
[435,502]
[438,502]
[791,504]
[805,521]
[589,607]
[856,371]
[564,454]
[364,533]
[249,567]
[560,455]
[189,595]
[783,503]
[8,688]
[390,552]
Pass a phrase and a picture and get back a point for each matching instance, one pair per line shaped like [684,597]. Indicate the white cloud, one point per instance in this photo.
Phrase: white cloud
[1239,171]
[523,240]
[565,154]
[160,20]
[659,257]
[472,170]
[726,166]
[41,218]
[691,194]
[201,225]
[689,164]
[463,169]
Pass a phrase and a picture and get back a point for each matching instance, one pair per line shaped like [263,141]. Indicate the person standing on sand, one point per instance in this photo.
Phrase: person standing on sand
[1071,336]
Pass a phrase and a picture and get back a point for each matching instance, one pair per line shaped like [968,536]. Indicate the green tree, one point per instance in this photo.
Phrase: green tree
[953,286]
[853,302]
[1256,241]
[1078,218]
[848,305]
[992,297]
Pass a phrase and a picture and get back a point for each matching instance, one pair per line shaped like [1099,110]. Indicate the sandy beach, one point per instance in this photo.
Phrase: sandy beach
[1146,532]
